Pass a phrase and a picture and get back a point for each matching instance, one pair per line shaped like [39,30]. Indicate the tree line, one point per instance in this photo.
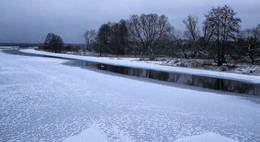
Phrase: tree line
[152,35]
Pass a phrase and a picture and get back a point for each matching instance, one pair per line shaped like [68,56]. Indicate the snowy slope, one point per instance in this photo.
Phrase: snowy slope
[133,63]
[43,100]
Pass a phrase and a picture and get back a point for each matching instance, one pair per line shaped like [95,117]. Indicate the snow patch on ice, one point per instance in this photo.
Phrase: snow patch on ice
[206,137]
[92,134]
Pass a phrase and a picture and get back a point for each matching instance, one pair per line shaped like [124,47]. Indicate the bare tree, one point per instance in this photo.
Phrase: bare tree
[119,37]
[90,38]
[252,43]
[147,32]
[192,29]
[113,37]
[224,27]
[207,34]
[180,44]
[104,38]
[53,43]
[192,35]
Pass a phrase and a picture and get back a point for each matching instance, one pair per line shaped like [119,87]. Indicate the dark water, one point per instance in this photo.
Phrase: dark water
[180,78]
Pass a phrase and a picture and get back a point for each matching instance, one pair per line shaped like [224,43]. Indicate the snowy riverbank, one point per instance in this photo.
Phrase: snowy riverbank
[133,62]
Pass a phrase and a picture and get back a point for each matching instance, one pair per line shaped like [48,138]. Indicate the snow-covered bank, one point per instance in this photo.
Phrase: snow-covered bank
[9,47]
[134,63]
[92,135]
[206,137]
[43,100]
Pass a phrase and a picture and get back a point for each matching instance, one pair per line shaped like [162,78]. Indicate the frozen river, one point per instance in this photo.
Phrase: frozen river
[41,99]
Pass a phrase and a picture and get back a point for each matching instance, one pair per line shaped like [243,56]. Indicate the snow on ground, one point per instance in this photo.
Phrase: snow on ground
[138,64]
[207,64]
[42,99]
[89,135]
[206,137]
[9,47]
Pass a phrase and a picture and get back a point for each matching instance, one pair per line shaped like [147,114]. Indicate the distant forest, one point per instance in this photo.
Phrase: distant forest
[152,35]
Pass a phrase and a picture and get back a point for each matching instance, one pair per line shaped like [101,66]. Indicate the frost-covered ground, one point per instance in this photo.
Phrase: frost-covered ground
[44,100]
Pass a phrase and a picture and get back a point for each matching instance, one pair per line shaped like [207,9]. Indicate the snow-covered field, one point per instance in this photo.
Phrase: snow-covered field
[44,100]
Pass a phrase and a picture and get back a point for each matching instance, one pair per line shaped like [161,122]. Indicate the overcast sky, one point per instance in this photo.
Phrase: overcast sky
[29,21]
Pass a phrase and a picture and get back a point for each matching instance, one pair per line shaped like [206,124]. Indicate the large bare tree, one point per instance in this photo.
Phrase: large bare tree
[148,31]
[223,27]
[53,43]
[252,43]
[113,37]
[192,29]
[90,39]
[192,35]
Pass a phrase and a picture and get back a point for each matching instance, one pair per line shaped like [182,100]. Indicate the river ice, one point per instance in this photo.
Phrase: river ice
[42,99]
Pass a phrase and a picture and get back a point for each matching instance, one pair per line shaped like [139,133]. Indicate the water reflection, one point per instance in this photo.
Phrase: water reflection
[181,78]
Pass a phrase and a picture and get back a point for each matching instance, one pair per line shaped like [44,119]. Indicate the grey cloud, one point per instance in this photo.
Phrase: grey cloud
[31,20]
